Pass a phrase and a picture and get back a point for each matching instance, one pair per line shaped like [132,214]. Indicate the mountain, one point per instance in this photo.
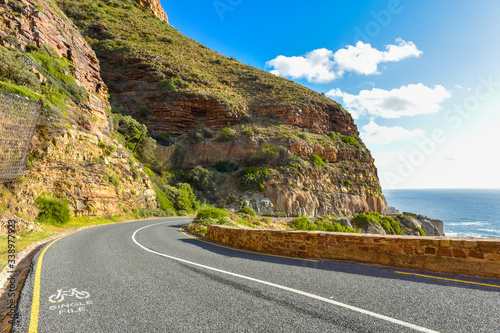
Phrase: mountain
[237,134]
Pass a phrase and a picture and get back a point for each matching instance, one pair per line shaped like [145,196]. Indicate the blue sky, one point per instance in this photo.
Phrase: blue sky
[421,78]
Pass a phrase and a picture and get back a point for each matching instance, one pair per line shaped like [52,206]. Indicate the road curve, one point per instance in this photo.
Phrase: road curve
[149,276]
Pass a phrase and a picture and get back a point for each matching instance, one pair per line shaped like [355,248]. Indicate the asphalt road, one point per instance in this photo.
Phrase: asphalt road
[148,276]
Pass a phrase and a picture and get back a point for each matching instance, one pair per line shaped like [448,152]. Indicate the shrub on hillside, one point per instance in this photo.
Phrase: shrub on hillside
[252,178]
[226,166]
[396,228]
[53,211]
[128,126]
[212,215]
[303,223]
[350,140]
[212,212]
[171,84]
[182,197]
[247,210]
[14,70]
[201,178]
[226,134]
[390,225]
[365,220]
[317,161]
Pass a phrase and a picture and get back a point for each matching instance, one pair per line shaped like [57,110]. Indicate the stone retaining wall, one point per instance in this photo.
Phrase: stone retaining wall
[470,256]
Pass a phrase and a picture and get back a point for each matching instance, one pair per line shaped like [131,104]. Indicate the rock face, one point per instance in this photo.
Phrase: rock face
[36,22]
[312,192]
[69,159]
[155,7]
[76,168]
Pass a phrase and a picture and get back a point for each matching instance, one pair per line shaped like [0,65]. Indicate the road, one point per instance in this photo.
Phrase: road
[149,276]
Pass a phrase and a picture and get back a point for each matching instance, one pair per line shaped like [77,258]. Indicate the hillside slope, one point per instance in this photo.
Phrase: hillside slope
[304,148]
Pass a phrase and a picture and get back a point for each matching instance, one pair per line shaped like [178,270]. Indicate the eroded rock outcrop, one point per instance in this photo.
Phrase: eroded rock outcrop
[155,7]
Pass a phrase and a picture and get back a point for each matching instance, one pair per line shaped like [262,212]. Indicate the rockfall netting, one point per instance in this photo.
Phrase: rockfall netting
[18,119]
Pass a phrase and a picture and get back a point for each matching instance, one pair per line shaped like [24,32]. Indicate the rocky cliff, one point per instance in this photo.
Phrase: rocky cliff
[155,7]
[75,156]
[215,108]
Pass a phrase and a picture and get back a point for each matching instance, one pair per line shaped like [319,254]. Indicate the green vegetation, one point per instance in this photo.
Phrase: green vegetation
[53,210]
[350,140]
[19,90]
[171,84]
[163,201]
[252,178]
[202,178]
[390,225]
[247,210]
[421,232]
[317,161]
[18,78]
[303,223]
[226,166]
[347,140]
[115,180]
[226,134]
[57,67]
[212,213]
[173,197]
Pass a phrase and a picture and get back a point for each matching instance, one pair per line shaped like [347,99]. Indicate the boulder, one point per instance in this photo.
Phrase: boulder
[412,223]
[263,206]
[375,229]
[439,225]
[391,211]
[430,229]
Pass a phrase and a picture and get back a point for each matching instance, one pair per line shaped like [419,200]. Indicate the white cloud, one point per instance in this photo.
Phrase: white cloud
[410,100]
[364,59]
[323,65]
[316,66]
[375,134]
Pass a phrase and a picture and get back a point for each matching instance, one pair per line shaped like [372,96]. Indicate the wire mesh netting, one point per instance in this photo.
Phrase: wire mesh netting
[18,118]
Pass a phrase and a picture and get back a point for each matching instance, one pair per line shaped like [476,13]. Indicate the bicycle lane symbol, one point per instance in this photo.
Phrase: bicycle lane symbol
[69,301]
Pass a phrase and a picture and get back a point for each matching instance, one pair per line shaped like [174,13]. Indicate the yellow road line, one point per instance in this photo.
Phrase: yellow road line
[246,251]
[35,306]
[454,280]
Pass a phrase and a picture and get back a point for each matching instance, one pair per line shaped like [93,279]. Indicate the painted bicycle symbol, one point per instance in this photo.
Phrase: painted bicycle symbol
[61,294]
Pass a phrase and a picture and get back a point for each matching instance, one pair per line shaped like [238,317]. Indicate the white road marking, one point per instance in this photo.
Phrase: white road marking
[299,292]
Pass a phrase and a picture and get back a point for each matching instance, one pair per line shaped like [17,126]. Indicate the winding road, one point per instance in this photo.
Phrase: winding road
[150,276]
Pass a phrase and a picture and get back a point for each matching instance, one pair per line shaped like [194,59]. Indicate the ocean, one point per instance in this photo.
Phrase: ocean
[465,213]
